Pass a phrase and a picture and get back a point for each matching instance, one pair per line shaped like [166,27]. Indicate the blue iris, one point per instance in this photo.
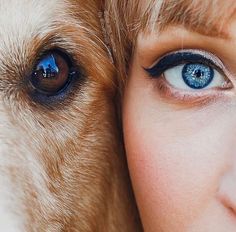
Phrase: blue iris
[197,76]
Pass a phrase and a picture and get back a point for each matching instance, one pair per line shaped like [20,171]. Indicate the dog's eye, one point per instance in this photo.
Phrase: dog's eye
[52,73]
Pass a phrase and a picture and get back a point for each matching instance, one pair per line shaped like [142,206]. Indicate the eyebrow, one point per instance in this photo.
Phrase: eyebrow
[200,20]
[212,31]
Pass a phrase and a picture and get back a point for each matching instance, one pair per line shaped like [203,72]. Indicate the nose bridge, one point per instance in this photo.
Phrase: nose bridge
[4,134]
[8,220]
[9,138]
[228,138]
[231,137]
[227,177]
[233,165]
[227,191]
[227,186]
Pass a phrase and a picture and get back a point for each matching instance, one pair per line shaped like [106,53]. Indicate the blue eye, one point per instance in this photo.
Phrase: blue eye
[189,70]
[197,76]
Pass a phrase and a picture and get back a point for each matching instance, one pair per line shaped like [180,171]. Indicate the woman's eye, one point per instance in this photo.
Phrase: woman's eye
[52,73]
[190,70]
[194,76]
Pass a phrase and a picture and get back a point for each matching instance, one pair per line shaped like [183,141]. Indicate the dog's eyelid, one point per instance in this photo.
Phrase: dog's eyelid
[52,41]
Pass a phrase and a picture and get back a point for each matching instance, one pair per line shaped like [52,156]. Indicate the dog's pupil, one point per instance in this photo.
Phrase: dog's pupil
[51,73]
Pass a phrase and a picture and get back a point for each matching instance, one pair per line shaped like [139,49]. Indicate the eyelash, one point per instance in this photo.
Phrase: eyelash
[192,56]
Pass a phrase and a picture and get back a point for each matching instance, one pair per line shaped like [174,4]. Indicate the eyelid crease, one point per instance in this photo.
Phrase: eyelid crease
[161,65]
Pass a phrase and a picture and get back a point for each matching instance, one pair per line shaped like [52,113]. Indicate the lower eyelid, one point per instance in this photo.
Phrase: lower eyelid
[187,98]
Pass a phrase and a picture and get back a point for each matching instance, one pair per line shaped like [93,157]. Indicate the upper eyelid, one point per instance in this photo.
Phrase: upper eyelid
[207,56]
[53,41]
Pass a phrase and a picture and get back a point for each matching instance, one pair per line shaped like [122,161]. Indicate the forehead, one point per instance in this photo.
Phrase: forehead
[204,16]
[23,26]
[20,20]
[199,15]
[28,28]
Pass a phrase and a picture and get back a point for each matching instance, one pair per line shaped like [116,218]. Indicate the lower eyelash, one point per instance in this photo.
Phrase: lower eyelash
[175,96]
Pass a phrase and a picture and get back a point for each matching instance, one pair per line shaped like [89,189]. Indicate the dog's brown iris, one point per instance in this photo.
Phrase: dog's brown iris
[51,73]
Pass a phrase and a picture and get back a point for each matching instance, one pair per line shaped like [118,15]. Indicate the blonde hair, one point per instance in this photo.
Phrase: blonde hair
[125,19]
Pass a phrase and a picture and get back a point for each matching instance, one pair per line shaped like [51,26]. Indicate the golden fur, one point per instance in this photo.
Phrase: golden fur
[62,167]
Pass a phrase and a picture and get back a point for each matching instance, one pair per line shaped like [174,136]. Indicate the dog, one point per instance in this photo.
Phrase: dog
[62,167]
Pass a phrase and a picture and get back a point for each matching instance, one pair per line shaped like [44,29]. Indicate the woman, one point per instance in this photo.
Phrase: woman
[177,65]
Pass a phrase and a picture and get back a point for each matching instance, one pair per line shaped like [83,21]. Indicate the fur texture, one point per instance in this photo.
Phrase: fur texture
[61,165]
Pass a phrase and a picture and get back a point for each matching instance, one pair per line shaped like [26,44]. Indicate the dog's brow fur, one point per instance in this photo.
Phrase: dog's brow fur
[61,165]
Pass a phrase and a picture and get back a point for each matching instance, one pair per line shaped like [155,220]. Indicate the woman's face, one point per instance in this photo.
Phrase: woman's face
[179,119]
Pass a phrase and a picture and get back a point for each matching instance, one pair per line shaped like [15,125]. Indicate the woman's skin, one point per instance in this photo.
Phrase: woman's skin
[181,142]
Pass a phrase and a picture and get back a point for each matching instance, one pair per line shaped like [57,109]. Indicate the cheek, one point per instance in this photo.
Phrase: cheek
[176,158]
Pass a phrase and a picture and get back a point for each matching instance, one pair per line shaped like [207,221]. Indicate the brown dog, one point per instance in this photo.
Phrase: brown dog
[61,168]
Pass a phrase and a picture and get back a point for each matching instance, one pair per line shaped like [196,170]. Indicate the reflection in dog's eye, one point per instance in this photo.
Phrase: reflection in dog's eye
[52,74]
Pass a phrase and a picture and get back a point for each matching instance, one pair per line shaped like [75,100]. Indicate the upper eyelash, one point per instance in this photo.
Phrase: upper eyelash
[185,56]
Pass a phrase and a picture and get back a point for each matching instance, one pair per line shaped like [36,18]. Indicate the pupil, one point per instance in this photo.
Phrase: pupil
[198,73]
[197,76]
